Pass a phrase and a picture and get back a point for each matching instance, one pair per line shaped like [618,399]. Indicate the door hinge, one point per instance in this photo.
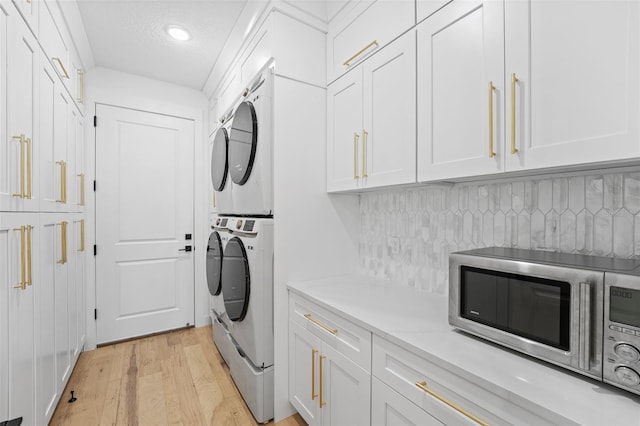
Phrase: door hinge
[95,121]
[95,250]
[95,314]
[94,186]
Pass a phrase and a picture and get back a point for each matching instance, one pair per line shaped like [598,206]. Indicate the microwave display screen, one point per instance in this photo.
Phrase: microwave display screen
[535,308]
[625,306]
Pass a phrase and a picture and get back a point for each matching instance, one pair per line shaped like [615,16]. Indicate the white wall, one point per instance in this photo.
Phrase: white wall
[111,87]
[316,234]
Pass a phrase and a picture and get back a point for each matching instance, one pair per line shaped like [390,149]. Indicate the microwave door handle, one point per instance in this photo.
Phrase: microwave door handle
[585,326]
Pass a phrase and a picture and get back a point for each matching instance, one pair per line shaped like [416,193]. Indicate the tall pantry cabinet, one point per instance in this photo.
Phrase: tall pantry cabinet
[42,256]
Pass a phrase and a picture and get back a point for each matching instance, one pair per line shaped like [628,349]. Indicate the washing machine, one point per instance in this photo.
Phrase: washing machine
[250,159]
[220,322]
[222,191]
[247,290]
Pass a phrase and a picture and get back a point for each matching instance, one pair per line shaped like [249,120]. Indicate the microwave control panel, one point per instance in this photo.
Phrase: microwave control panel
[621,357]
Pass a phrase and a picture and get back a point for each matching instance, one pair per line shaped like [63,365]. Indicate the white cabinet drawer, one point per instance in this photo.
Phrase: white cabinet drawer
[353,341]
[365,29]
[404,371]
[53,43]
[389,408]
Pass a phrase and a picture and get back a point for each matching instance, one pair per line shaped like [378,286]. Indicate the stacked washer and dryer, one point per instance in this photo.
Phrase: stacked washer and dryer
[240,247]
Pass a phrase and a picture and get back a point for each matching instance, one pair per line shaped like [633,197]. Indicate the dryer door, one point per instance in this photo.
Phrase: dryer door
[219,163]
[242,143]
[214,264]
[236,280]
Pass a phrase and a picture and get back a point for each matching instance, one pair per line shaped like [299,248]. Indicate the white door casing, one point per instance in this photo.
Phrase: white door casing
[144,209]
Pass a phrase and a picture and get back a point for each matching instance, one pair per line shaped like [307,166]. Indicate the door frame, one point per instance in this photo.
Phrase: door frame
[106,87]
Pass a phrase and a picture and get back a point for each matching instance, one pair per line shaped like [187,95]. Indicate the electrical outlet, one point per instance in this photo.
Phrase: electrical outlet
[394,242]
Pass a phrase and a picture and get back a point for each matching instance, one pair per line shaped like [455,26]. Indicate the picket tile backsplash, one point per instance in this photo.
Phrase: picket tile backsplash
[407,234]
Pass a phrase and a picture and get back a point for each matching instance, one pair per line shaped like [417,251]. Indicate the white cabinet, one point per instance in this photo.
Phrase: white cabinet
[371,129]
[76,181]
[425,8]
[571,94]
[18,283]
[329,373]
[460,91]
[52,41]
[77,315]
[19,175]
[577,91]
[363,28]
[389,408]
[29,11]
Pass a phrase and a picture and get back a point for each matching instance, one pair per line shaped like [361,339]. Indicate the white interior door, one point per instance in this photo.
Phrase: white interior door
[144,209]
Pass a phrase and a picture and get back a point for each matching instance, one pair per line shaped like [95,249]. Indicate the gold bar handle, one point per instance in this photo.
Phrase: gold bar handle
[81,235]
[63,243]
[23,279]
[29,193]
[364,153]
[423,385]
[29,228]
[319,324]
[355,155]
[22,141]
[347,63]
[64,70]
[514,81]
[81,176]
[63,182]
[322,401]
[313,374]
[64,170]
[491,90]
[80,97]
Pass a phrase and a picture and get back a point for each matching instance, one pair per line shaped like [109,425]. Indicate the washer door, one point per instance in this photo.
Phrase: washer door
[242,143]
[214,264]
[236,280]
[219,163]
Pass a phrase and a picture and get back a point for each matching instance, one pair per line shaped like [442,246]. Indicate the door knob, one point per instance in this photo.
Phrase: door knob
[186,248]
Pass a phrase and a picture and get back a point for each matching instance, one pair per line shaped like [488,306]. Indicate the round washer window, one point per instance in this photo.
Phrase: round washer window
[242,143]
[235,280]
[214,264]
[219,164]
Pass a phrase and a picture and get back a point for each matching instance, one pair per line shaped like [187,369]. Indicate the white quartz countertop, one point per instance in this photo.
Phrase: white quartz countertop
[417,321]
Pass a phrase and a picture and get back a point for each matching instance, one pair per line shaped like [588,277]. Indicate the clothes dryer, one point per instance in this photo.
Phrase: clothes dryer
[222,185]
[251,147]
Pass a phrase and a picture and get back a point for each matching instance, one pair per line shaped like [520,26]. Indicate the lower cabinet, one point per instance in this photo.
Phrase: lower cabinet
[389,408]
[326,386]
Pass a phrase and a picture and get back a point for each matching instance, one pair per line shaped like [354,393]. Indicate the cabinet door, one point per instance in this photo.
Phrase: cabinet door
[76,286]
[577,89]
[345,390]
[344,131]
[18,238]
[389,408]
[18,182]
[76,176]
[304,376]
[460,91]
[29,11]
[388,141]
[425,8]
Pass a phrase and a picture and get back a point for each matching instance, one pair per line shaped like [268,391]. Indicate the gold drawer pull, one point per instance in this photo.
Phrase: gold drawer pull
[423,386]
[64,70]
[492,88]
[23,276]
[347,63]
[514,81]
[355,155]
[319,324]
[322,401]
[364,153]
[22,141]
[314,395]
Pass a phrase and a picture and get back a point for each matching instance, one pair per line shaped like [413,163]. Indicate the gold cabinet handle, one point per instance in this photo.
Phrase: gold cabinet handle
[423,385]
[347,63]
[364,153]
[322,401]
[81,235]
[355,155]
[313,374]
[64,70]
[319,324]
[29,193]
[81,176]
[514,80]
[80,97]
[23,280]
[63,182]
[63,243]
[29,228]
[492,88]
[22,141]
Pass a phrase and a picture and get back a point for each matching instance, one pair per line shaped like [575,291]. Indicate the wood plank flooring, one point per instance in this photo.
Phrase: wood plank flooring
[177,378]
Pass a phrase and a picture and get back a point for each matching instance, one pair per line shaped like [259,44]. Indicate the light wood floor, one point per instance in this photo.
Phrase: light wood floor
[173,378]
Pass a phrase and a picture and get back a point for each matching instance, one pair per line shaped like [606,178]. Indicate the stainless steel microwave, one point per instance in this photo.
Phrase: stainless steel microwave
[578,312]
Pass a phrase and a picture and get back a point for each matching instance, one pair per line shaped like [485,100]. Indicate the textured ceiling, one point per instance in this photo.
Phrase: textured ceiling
[129,36]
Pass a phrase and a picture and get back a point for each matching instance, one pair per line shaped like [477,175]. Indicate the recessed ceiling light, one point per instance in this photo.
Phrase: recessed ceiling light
[178,33]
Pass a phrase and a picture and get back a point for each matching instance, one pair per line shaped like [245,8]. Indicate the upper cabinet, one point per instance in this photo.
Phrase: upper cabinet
[570,96]
[371,113]
[572,88]
[460,90]
[362,28]
[29,11]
